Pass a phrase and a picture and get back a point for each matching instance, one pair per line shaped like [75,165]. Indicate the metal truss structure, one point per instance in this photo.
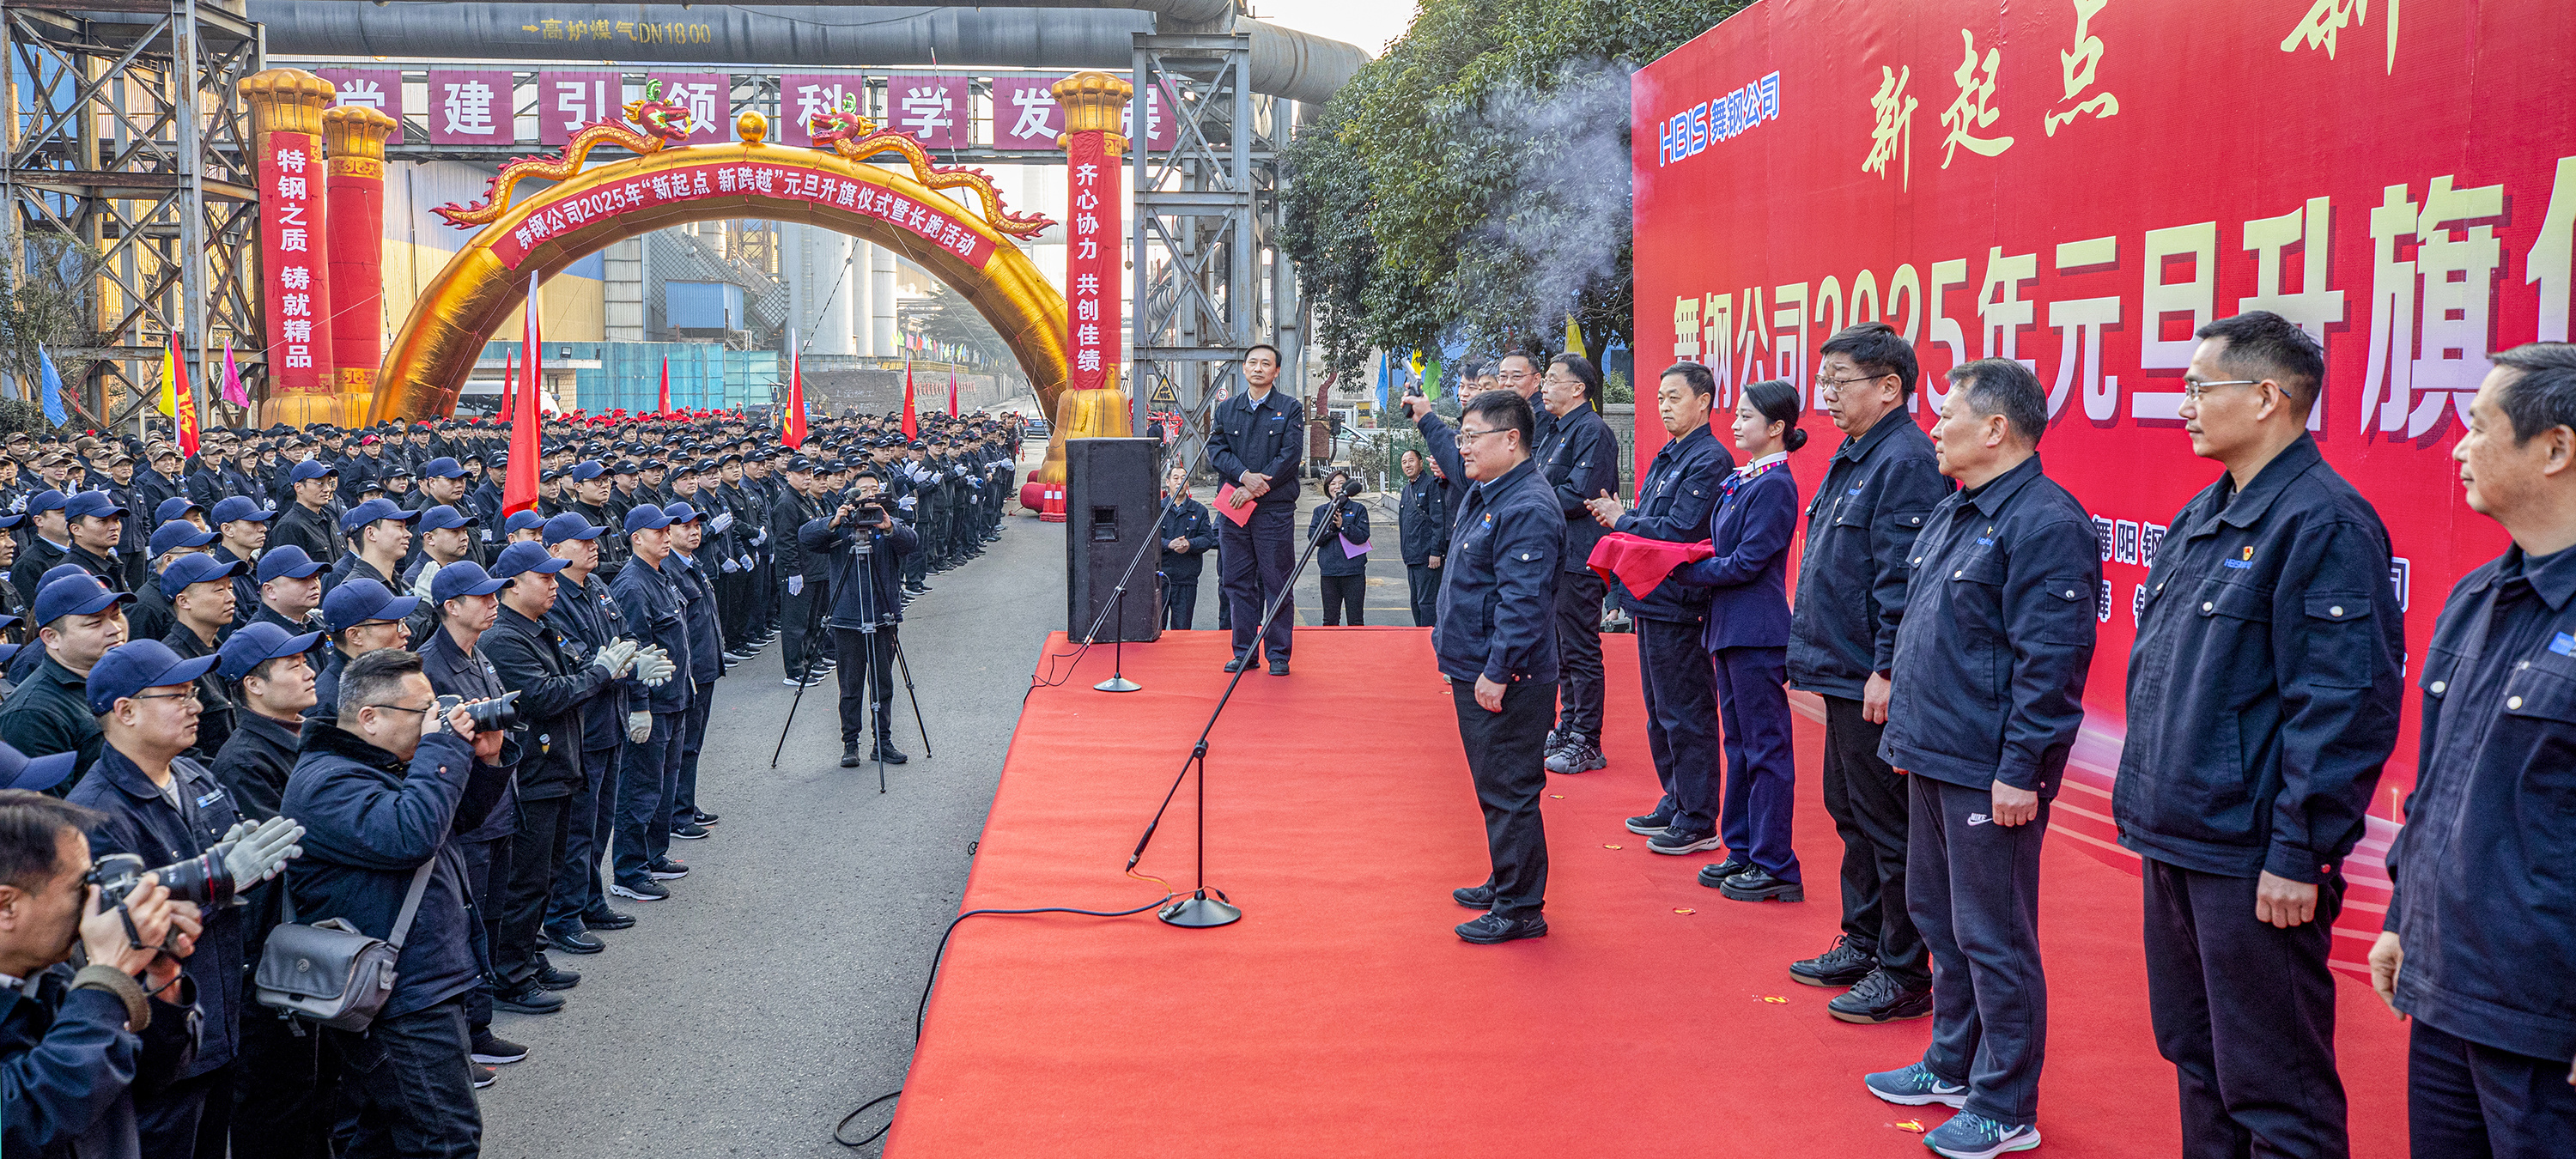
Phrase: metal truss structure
[130,184]
[1209,280]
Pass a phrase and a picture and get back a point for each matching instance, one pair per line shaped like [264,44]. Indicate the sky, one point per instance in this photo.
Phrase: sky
[1366,23]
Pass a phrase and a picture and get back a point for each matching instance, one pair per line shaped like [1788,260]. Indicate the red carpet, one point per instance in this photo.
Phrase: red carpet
[1341,1017]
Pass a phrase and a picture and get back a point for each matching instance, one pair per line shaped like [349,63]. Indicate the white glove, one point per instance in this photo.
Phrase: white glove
[731,567]
[746,561]
[796,585]
[717,525]
[653,666]
[639,727]
[760,537]
[255,853]
[906,502]
[616,659]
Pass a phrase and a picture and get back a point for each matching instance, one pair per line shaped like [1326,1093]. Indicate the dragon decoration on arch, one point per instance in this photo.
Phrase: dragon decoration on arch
[849,133]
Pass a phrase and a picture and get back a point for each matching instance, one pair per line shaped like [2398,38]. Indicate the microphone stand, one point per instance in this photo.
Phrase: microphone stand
[1199,911]
[1118,681]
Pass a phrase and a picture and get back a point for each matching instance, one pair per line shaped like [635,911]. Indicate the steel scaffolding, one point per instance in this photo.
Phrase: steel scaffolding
[130,183]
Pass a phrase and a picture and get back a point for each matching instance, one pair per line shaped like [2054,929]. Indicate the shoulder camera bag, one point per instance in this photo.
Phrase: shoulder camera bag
[330,973]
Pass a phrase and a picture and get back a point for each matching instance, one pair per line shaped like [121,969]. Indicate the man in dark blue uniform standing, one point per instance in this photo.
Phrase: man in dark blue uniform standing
[2280,637]
[1254,442]
[1422,527]
[1187,531]
[1580,458]
[1852,582]
[1496,645]
[2477,914]
[1986,699]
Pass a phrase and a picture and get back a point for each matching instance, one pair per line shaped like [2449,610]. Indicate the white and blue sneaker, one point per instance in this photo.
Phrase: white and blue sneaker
[1968,1136]
[1916,1086]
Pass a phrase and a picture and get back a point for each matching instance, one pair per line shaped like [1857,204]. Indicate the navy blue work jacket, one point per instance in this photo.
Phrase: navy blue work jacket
[1329,558]
[698,604]
[1861,525]
[1442,445]
[553,689]
[865,588]
[70,1071]
[1673,505]
[1746,579]
[1266,438]
[371,819]
[1997,638]
[588,617]
[2480,870]
[140,821]
[649,602]
[2266,677]
[1422,518]
[1580,458]
[1497,614]
[1186,519]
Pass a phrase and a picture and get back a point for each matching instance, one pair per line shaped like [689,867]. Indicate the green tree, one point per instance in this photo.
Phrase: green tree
[1472,183]
[45,303]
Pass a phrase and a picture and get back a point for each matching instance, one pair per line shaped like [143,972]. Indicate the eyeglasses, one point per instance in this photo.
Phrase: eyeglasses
[1833,387]
[400,708]
[1465,435]
[163,696]
[2194,390]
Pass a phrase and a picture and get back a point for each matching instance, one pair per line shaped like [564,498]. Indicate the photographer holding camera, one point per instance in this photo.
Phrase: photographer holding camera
[76,1046]
[866,545]
[161,808]
[382,787]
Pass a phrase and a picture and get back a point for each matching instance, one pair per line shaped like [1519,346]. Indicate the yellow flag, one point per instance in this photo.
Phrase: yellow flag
[169,385]
[1574,338]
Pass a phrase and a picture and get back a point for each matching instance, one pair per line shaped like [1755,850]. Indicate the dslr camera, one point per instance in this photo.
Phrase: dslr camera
[203,879]
[499,714]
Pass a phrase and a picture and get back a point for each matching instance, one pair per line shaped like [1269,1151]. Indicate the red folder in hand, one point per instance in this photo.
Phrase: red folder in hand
[1225,506]
[1643,563]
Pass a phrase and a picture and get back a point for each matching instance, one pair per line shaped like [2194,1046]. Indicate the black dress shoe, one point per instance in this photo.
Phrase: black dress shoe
[885,752]
[1758,885]
[529,999]
[1234,665]
[850,755]
[1843,965]
[1494,928]
[551,978]
[1714,876]
[1279,668]
[1474,896]
[608,919]
[1879,998]
[574,941]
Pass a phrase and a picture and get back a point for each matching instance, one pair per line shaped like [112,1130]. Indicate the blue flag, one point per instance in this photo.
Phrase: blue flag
[1385,380]
[53,380]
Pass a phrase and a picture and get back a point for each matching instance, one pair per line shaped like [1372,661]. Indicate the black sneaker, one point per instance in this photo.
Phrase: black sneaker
[1878,998]
[884,751]
[1494,928]
[1757,884]
[850,755]
[707,818]
[689,831]
[553,978]
[1843,965]
[484,1076]
[574,941]
[1555,741]
[1279,668]
[668,869]
[1234,665]
[645,890]
[608,919]
[1474,896]
[493,1050]
[528,999]
[1652,823]
[1714,876]
[1578,755]
[1675,839]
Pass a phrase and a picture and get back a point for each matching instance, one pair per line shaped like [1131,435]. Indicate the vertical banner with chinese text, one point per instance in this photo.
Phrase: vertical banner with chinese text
[471,107]
[2082,184]
[568,102]
[1095,213]
[801,95]
[294,278]
[935,110]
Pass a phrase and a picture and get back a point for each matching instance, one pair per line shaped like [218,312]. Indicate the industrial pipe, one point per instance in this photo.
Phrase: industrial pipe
[1067,34]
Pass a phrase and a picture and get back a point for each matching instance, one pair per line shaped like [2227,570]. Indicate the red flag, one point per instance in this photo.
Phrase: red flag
[911,426]
[183,399]
[519,487]
[952,393]
[794,435]
[666,382]
[509,385]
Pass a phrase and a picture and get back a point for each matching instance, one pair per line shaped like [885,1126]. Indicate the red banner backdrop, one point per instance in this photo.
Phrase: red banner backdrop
[801,95]
[1092,256]
[2080,184]
[380,89]
[568,102]
[295,295]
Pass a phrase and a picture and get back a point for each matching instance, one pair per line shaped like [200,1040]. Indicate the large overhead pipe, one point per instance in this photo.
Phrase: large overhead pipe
[1067,34]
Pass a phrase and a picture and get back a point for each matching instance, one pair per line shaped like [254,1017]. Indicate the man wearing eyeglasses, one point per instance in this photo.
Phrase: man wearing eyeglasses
[1580,458]
[2264,690]
[1861,524]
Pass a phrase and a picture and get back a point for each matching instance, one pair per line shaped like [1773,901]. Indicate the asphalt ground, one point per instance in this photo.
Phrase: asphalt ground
[775,990]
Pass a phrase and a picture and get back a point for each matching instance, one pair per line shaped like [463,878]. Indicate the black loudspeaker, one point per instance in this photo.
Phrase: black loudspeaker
[1111,507]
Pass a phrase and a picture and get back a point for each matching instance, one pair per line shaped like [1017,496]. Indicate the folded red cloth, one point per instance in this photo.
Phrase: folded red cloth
[1642,563]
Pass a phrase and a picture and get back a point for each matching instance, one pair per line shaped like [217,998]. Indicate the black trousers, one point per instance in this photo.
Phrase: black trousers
[858,650]
[536,857]
[1422,584]
[1681,721]
[1252,566]
[1180,602]
[2246,1013]
[486,862]
[2467,1100]
[1345,592]
[1867,800]
[281,1088]
[797,625]
[409,1087]
[1578,652]
[733,605]
[590,826]
[1506,756]
[184,1118]
[1976,898]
